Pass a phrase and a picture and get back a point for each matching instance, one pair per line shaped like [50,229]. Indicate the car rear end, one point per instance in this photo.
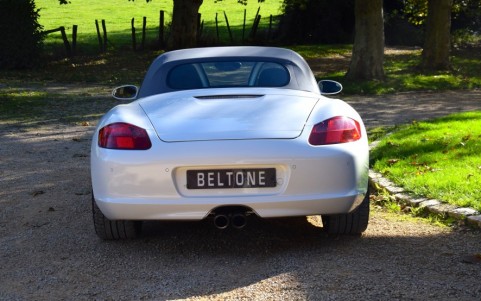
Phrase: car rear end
[187,178]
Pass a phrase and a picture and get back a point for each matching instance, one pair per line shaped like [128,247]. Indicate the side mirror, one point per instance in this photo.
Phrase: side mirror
[329,87]
[126,92]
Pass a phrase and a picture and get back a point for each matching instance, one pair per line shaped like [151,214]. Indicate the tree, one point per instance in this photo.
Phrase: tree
[183,32]
[323,22]
[368,51]
[437,43]
[22,38]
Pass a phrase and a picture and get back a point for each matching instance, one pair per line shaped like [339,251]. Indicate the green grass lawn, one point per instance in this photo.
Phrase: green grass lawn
[402,74]
[119,13]
[439,159]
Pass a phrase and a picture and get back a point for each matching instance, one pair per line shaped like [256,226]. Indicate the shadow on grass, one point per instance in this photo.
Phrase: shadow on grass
[30,106]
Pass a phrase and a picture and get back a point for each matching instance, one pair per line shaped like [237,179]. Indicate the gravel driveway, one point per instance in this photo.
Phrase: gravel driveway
[49,251]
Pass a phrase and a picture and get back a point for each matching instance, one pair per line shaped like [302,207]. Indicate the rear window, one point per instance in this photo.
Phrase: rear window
[228,74]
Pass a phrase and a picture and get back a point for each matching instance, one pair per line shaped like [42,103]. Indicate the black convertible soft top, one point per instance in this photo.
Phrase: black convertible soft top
[155,81]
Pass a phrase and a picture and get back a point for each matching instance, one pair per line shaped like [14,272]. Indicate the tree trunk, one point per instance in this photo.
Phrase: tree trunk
[437,43]
[183,33]
[368,51]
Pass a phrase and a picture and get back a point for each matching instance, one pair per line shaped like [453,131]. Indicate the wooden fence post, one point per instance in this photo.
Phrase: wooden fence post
[257,19]
[104,28]
[98,35]
[217,27]
[64,38]
[65,41]
[74,39]
[134,42]
[269,32]
[144,26]
[244,26]
[161,29]
[255,26]
[228,28]
[257,13]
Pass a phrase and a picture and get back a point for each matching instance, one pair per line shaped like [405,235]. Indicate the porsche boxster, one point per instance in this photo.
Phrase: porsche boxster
[224,133]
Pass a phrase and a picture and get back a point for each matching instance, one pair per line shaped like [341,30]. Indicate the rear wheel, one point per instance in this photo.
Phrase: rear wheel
[352,223]
[113,230]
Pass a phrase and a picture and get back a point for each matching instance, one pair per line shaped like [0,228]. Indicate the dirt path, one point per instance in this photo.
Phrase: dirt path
[49,251]
[388,110]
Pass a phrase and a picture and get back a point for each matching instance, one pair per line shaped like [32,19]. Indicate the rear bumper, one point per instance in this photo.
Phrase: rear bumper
[265,207]
[151,185]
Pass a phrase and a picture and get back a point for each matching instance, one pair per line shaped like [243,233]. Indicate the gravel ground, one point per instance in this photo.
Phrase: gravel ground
[49,251]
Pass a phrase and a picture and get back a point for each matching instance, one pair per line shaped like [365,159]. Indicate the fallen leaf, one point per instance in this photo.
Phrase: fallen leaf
[392,161]
[37,192]
[472,259]
[82,193]
[39,225]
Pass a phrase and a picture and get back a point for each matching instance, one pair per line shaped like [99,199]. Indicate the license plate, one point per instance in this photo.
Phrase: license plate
[231,178]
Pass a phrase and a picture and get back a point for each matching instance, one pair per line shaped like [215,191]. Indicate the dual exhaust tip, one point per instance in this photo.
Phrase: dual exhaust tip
[236,220]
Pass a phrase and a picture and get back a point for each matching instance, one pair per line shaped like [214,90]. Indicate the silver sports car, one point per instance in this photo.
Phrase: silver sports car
[227,132]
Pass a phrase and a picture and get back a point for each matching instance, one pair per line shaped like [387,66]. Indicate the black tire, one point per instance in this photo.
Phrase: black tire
[108,229]
[353,223]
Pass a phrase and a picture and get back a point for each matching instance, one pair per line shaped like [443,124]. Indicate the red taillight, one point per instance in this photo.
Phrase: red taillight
[335,130]
[124,136]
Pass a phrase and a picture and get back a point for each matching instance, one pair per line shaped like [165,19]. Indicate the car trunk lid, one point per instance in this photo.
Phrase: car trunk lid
[199,115]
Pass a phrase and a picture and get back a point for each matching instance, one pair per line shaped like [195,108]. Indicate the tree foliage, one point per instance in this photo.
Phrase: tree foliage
[21,42]
[323,21]
[465,13]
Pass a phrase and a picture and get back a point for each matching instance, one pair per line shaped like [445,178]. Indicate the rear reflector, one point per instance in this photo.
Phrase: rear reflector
[124,136]
[335,130]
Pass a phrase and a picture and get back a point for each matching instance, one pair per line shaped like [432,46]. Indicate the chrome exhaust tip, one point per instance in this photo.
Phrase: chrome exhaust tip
[238,220]
[221,221]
